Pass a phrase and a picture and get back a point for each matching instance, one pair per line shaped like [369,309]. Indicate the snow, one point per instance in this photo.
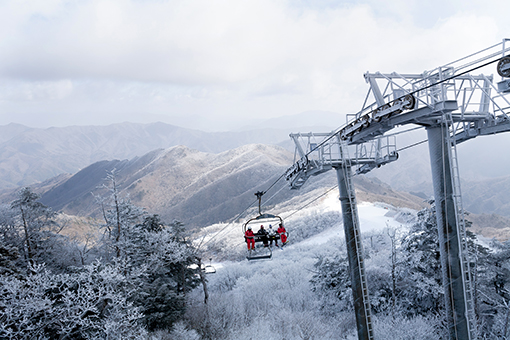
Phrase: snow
[374,217]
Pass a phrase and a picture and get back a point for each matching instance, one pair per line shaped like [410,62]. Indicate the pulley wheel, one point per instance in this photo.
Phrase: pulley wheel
[411,101]
[504,67]
[374,118]
[397,103]
[366,121]
[384,107]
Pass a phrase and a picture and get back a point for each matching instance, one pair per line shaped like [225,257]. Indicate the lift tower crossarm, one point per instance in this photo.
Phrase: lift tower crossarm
[326,155]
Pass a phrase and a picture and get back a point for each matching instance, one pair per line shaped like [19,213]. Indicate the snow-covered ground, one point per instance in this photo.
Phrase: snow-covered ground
[238,284]
[374,217]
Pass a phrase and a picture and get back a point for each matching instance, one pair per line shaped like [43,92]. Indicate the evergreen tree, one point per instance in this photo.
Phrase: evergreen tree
[168,257]
[29,226]
[492,279]
[419,280]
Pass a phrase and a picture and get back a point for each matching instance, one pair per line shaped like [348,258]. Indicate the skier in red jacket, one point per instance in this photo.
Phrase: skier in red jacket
[283,233]
[250,239]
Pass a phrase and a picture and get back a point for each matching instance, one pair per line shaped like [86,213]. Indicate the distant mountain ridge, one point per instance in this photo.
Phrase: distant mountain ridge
[32,155]
[29,155]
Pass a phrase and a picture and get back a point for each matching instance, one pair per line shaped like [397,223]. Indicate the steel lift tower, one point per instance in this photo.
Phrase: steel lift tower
[453,105]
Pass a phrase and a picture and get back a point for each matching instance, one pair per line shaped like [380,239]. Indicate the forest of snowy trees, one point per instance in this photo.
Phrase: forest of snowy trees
[136,280]
[130,281]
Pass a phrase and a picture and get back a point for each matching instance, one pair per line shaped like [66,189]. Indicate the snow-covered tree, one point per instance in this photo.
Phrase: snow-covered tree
[138,242]
[492,282]
[168,257]
[92,303]
[419,280]
[29,225]
[120,219]
[408,283]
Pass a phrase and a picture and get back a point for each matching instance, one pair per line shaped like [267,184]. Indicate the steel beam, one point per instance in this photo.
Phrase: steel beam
[355,253]
[449,233]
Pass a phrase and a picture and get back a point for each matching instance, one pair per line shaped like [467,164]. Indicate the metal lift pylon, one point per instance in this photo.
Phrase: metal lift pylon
[459,304]
[354,246]
[335,155]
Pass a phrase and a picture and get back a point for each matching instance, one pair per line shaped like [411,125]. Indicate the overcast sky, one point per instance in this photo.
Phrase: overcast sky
[216,64]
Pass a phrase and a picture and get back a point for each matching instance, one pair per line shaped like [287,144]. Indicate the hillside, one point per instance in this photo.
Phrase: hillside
[177,183]
[201,189]
[29,156]
[32,156]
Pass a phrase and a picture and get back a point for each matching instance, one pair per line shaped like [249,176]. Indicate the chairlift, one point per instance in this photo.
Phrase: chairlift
[262,242]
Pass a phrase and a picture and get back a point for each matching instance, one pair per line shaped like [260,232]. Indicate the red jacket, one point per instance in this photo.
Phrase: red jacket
[249,234]
[281,230]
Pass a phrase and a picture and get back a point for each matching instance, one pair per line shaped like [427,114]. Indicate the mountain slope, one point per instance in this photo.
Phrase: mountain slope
[177,183]
[29,156]
[200,188]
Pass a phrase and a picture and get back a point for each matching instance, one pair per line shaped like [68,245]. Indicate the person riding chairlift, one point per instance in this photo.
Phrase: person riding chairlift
[262,234]
[250,239]
[272,236]
[283,233]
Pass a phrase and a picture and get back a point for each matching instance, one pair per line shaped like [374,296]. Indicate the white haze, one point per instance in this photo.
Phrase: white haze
[217,65]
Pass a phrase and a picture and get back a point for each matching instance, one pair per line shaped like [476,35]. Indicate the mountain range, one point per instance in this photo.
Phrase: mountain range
[33,155]
[199,177]
[199,188]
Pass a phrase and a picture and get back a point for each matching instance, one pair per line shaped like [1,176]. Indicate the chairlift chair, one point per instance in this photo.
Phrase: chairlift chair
[265,220]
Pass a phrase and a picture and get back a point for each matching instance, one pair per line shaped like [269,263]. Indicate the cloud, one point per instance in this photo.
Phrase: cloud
[226,57]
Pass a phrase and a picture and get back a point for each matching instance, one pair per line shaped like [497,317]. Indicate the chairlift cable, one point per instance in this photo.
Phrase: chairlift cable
[396,133]
[412,145]
[274,183]
[276,193]
[229,224]
[330,137]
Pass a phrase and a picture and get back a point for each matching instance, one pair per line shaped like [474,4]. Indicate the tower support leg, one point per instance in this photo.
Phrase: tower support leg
[449,233]
[355,253]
